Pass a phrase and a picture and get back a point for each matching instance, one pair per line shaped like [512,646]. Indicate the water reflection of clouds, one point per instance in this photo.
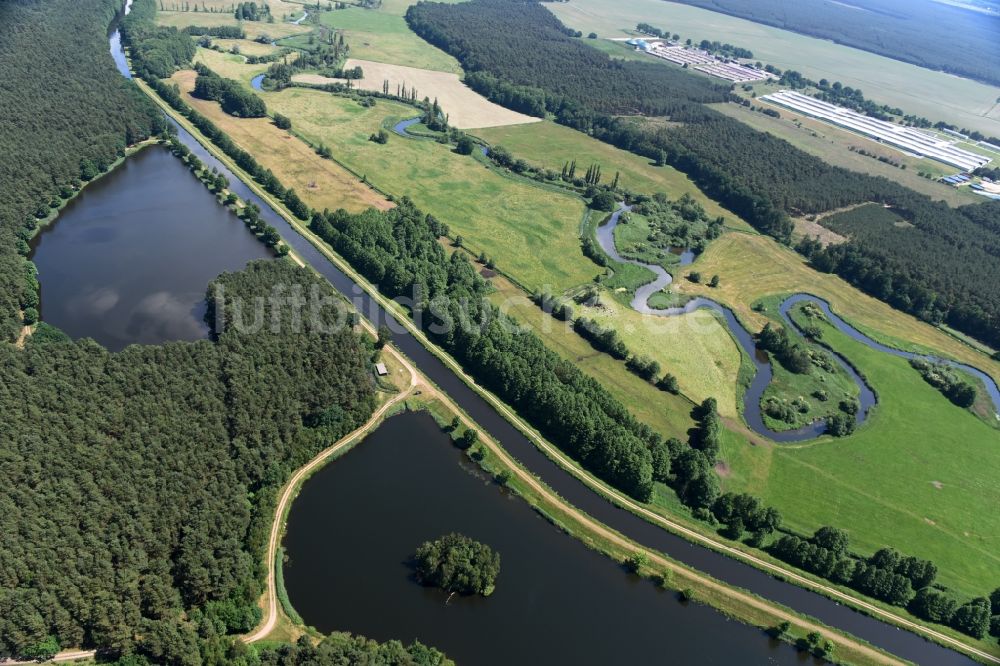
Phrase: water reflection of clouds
[95,301]
[164,315]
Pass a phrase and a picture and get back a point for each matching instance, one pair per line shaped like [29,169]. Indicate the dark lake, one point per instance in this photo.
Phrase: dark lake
[129,259]
[357,520]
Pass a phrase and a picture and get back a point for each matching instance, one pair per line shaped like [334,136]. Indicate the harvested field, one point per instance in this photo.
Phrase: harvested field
[321,183]
[805,227]
[465,107]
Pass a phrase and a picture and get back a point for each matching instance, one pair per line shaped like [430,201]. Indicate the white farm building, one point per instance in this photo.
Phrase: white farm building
[907,139]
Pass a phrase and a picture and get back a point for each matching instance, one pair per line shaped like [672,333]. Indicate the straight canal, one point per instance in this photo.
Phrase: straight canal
[405,485]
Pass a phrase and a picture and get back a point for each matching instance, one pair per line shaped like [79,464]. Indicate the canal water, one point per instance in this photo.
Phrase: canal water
[129,259]
[905,644]
[356,522]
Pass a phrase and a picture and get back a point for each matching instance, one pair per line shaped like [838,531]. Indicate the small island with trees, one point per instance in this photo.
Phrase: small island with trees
[457,564]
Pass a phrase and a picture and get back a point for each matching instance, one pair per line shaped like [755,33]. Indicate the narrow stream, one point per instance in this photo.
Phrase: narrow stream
[401,127]
[905,644]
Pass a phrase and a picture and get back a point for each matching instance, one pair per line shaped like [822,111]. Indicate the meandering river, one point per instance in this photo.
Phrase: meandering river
[763,371]
[905,644]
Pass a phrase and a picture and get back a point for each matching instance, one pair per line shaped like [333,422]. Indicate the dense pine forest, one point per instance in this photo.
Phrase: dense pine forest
[139,486]
[921,32]
[518,54]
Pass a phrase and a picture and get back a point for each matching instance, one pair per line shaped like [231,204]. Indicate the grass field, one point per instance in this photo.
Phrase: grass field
[321,183]
[532,232]
[935,95]
[383,36]
[919,476]
[752,267]
[229,66]
[252,28]
[550,145]
[787,387]
[245,46]
[832,146]
[695,347]
[632,242]
[668,414]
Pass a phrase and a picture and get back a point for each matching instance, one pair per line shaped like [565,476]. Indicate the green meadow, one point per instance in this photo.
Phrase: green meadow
[551,146]
[919,475]
[382,36]
[531,232]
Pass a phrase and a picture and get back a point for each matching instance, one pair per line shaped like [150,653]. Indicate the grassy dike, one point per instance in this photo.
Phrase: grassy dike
[694,532]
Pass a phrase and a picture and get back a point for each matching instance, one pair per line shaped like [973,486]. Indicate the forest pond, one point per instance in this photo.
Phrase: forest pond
[129,259]
[356,522]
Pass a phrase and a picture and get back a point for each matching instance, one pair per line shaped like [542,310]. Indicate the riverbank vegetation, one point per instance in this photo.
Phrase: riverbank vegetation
[457,564]
[807,383]
[891,476]
[233,97]
[946,380]
[658,230]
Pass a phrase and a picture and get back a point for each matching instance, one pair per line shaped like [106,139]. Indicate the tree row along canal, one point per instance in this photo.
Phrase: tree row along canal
[902,643]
